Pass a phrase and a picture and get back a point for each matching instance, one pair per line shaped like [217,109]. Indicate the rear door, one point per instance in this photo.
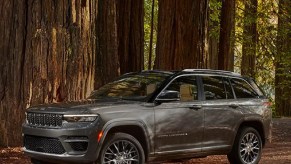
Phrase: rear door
[220,112]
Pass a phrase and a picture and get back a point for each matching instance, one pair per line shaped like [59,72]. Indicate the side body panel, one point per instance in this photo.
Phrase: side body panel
[221,120]
[178,128]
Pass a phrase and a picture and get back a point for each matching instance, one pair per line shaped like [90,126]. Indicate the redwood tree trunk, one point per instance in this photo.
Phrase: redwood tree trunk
[130,32]
[213,53]
[182,34]
[248,67]
[107,61]
[283,61]
[12,49]
[225,55]
[47,56]
[213,40]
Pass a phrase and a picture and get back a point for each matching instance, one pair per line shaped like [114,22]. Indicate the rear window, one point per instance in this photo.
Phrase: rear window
[256,87]
[243,89]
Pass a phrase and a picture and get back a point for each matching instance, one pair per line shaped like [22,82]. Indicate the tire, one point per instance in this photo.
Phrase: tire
[247,148]
[121,147]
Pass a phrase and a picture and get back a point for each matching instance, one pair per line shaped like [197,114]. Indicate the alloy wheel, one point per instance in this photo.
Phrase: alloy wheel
[250,148]
[121,152]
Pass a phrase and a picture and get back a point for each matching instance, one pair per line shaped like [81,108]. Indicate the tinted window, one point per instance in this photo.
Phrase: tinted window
[186,86]
[242,89]
[256,87]
[213,88]
[133,86]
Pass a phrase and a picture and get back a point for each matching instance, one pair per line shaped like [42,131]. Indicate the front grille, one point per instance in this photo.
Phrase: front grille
[43,144]
[79,146]
[44,119]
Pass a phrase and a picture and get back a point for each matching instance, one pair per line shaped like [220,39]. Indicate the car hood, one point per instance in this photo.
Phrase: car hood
[81,107]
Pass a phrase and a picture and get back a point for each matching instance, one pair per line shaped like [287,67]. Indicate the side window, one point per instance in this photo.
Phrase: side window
[213,87]
[186,86]
[242,89]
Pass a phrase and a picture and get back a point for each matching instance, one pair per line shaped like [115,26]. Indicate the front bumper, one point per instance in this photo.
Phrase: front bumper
[39,143]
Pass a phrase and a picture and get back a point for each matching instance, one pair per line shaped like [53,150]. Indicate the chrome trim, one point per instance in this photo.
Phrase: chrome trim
[49,154]
[180,151]
[80,115]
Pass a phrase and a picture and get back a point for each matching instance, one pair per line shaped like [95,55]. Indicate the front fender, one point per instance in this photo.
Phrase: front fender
[124,122]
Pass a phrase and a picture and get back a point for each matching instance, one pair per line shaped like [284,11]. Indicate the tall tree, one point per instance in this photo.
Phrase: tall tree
[214,29]
[130,32]
[182,34]
[226,38]
[47,55]
[283,60]
[12,50]
[107,60]
[248,67]
[151,36]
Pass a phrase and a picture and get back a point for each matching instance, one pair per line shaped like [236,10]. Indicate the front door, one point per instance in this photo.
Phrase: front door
[179,124]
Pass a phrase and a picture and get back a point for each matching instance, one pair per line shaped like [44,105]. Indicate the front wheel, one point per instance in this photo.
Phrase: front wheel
[121,148]
[247,148]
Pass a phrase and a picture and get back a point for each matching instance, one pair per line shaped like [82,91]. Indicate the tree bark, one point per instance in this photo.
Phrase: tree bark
[226,38]
[48,56]
[248,63]
[12,46]
[107,61]
[213,29]
[130,32]
[283,61]
[182,34]
[213,53]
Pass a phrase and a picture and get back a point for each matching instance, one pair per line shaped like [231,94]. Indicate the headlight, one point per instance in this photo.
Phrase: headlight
[80,118]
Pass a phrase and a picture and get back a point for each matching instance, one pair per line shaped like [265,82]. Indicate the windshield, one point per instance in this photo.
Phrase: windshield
[132,87]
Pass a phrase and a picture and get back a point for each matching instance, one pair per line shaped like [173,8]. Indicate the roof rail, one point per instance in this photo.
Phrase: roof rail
[157,71]
[210,70]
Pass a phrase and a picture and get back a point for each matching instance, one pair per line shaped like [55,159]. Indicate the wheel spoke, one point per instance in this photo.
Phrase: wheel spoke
[109,161]
[116,148]
[252,136]
[243,150]
[243,155]
[110,152]
[123,147]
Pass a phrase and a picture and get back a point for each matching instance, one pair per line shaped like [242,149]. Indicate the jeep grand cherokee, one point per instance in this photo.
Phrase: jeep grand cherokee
[154,116]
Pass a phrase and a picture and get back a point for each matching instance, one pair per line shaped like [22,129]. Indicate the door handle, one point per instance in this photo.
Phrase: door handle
[195,107]
[234,106]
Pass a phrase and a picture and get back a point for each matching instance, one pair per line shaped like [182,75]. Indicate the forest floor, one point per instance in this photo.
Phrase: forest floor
[279,151]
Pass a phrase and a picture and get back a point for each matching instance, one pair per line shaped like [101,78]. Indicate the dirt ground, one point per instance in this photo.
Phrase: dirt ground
[278,152]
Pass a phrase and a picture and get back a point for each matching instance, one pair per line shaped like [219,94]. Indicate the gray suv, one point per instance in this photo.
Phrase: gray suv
[154,116]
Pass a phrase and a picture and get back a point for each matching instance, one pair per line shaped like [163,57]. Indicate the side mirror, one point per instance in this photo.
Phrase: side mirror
[168,95]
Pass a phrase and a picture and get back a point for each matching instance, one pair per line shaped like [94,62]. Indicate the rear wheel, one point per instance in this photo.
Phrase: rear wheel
[121,148]
[247,148]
